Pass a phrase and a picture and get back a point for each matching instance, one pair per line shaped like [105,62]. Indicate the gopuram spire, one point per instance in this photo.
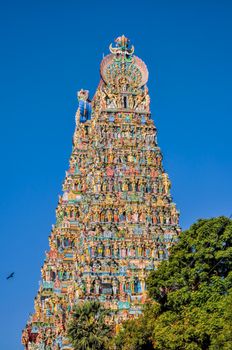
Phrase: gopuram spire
[115,220]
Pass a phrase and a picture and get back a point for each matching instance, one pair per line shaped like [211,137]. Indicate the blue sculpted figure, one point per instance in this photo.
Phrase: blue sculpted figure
[85,108]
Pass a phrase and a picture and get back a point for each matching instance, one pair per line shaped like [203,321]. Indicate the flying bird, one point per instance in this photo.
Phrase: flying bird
[10,276]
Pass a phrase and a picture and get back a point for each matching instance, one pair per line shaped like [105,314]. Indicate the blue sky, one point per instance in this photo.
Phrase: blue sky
[51,49]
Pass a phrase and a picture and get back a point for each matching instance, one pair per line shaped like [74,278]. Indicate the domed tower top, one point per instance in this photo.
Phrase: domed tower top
[121,70]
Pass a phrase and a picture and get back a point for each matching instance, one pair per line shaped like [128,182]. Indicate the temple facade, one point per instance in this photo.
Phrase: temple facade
[115,220]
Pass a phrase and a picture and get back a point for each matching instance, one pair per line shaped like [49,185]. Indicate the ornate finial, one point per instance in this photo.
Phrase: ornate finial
[122,46]
[122,42]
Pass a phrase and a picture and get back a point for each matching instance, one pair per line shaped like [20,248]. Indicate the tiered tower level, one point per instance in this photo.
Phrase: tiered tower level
[116,220]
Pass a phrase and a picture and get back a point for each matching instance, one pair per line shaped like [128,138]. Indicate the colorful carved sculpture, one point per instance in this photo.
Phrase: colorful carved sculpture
[84,109]
[115,220]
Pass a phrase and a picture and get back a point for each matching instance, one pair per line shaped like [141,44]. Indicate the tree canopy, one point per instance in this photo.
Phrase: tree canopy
[88,328]
[190,294]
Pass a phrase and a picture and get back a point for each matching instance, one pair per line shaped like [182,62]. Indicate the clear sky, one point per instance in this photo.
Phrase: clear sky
[49,50]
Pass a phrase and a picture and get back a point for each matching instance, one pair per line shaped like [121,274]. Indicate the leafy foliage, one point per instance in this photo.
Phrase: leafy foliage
[88,328]
[133,334]
[191,294]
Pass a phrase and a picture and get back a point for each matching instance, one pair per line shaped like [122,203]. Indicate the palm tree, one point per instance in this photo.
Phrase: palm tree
[88,329]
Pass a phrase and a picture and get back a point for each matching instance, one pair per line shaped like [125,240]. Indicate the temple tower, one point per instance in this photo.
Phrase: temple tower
[115,220]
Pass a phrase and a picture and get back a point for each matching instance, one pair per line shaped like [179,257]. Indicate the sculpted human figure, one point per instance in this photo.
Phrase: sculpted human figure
[148,215]
[39,338]
[25,338]
[132,251]
[101,96]
[131,101]
[122,286]
[88,285]
[166,183]
[142,216]
[116,249]
[147,99]
[139,249]
[174,214]
[115,286]
[110,156]
[111,98]
[97,287]
[118,101]
[37,307]
[135,216]
[139,99]
[104,186]
[123,251]
[116,217]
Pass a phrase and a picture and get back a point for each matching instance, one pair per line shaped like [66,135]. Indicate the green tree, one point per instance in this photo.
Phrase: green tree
[193,289]
[88,328]
[191,294]
[134,335]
